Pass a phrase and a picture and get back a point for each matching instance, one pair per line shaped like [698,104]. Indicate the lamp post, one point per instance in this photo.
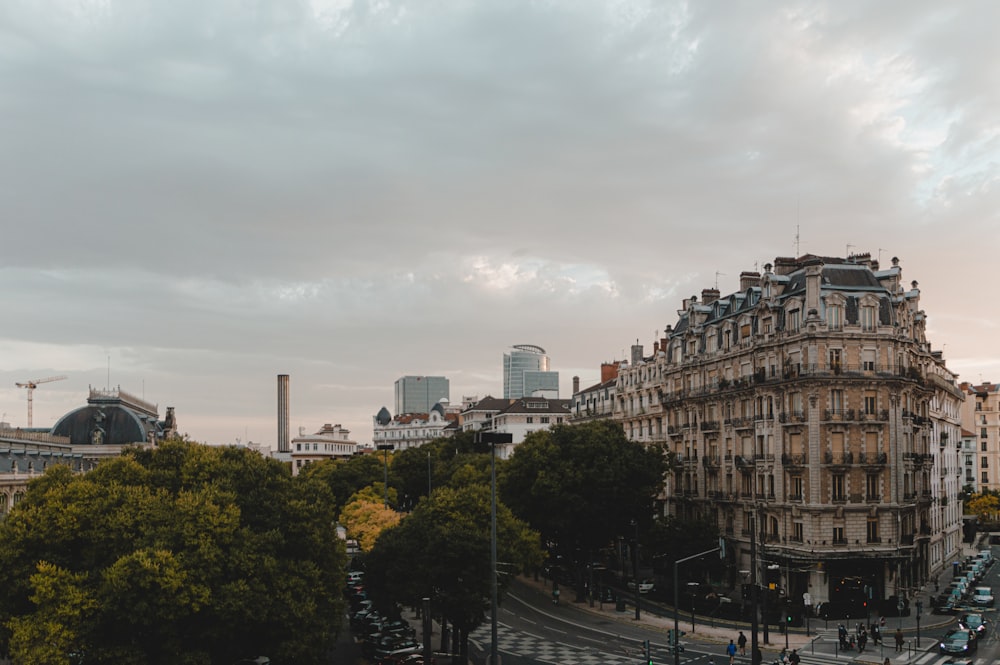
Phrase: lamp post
[492,439]
[386,447]
[635,567]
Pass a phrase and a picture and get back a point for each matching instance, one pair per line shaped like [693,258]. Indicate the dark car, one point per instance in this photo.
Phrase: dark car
[397,646]
[958,642]
[975,622]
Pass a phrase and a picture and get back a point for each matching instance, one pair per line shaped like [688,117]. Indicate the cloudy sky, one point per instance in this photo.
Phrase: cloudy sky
[198,195]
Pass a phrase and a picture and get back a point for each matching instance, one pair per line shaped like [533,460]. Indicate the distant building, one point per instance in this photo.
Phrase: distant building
[596,402]
[479,414]
[411,430]
[969,459]
[981,417]
[26,454]
[526,415]
[526,373]
[417,394]
[330,442]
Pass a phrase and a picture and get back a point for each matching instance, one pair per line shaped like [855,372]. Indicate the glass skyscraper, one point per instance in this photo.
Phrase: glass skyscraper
[526,373]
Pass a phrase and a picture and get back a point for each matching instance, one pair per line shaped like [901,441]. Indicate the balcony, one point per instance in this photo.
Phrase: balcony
[710,426]
[838,414]
[796,416]
[795,497]
[743,462]
[872,459]
[793,459]
[710,461]
[838,459]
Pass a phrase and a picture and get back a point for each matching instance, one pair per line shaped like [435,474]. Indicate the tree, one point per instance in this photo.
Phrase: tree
[365,516]
[441,551]
[983,506]
[181,553]
[344,477]
[581,486]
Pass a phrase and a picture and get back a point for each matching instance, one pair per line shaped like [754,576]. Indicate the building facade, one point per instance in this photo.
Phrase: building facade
[412,430]
[596,402]
[807,409]
[981,417]
[330,442]
[417,394]
[526,373]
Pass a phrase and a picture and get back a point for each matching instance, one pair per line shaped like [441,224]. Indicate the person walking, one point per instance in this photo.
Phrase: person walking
[886,661]
[794,659]
[899,639]
[731,650]
[741,641]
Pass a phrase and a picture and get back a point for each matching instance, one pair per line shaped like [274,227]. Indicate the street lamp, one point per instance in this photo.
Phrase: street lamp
[492,439]
[386,447]
[635,567]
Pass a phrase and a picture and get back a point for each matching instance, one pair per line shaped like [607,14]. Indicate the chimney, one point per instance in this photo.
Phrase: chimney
[785,265]
[749,279]
[708,296]
[283,439]
[609,371]
[576,384]
[636,354]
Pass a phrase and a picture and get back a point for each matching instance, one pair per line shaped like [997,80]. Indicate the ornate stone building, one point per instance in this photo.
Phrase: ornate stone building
[808,406]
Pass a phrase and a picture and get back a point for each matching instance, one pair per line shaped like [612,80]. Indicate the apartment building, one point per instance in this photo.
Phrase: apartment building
[807,408]
[981,417]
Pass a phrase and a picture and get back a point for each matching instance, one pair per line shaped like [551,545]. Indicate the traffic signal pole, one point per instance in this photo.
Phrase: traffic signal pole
[677,630]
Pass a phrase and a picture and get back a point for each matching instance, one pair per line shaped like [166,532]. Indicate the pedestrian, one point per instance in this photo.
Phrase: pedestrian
[899,639]
[731,650]
[862,640]
[886,661]
[741,641]
[794,658]
[876,634]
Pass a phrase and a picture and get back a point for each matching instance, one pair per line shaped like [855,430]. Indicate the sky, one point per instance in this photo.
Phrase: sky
[199,195]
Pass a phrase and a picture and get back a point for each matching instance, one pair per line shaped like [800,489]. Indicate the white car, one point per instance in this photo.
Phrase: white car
[645,586]
[983,595]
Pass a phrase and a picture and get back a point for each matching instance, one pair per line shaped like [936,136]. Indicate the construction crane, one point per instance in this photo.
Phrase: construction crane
[31,385]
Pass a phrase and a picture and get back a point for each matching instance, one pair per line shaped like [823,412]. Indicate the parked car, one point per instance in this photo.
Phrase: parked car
[982,596]
[645,586]
[397,646]
[958,642]
[974,622]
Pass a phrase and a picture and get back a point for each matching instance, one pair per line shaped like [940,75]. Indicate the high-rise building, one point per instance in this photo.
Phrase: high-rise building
[418,394]
[808,410]
[283,411]
[526,373]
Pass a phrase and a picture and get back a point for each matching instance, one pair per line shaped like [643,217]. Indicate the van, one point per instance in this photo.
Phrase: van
[355,577]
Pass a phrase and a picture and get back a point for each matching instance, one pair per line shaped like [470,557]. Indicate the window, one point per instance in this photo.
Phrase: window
[871,402]
[529,420]
[837,401]
[835,317]
[986,477]
[983,446]
[747,485]
[835,358]
[873,530]
[795,493]
[838,535]
[984,462]
[868,318]
[871,486]
[982,433]
[797,531]
[794,319]
[837,486]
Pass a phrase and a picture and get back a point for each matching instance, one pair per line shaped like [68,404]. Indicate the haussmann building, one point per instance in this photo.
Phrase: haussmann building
[809,409]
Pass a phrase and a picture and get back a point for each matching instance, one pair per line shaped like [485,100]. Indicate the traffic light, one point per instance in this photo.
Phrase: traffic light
[648,652]
[670,638]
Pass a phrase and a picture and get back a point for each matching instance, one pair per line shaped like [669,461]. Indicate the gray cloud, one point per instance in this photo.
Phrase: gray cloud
[214,192]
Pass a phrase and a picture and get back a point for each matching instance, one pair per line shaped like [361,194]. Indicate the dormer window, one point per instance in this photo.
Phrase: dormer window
[794,319]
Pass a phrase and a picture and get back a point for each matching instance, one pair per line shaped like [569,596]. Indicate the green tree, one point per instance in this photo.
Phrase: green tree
[582,486]
[344,477]
[365,516]
[442,551]
[181,553]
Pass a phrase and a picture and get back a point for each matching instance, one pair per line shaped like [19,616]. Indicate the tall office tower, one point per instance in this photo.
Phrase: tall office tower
[526,373]
[417,394]
[284,444]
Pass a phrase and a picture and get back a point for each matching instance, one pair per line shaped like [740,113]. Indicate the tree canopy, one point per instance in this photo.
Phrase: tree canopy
[581,486]
[441,551]
[182,553]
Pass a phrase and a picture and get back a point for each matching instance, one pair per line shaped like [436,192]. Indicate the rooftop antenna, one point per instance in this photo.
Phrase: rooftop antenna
[849,248]
[717,275]
[107,386]
[880,250]
[797,245]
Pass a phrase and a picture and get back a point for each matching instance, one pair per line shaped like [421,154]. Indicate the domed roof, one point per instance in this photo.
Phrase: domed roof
[438,407]
[114,418]
[383,417]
